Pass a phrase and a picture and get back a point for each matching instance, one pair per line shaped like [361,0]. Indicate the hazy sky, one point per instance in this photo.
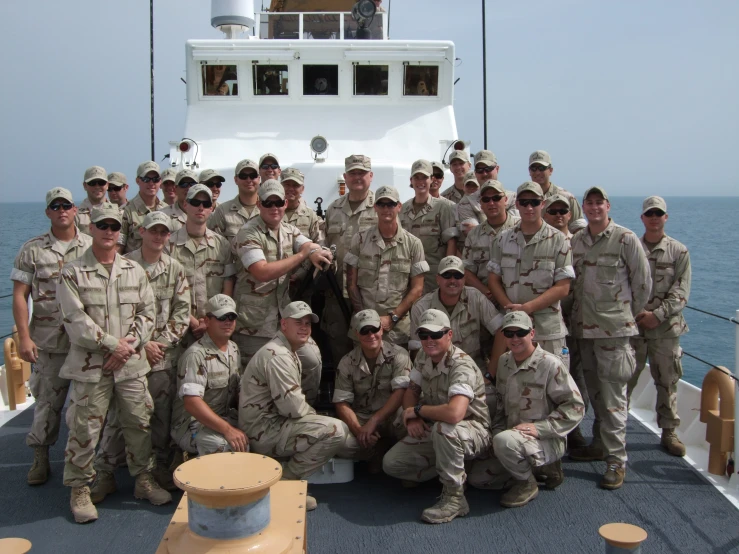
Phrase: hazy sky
[637,96]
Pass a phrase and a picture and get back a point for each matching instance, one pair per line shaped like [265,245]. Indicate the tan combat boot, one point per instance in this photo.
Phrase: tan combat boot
[83,509]
[451,504]
[669,441]
[102,486]
[310,502]
[148,489]
[551,474]
[39,472]
[614,476]
[163,476]
[522,492]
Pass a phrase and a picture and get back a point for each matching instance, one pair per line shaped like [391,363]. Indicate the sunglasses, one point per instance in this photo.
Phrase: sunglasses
[496,198]
[485,169]
[185,184]
[150,179]
[115,227]
[438,175]
[423,334]
[63,206]
[216,184]
[526,202]
[273,203]
[369,330]
[653,213]
[520,333]
[97,183]
[558,211]
[245,176]
[115,188]
[537,167]
[386,204]
[270,166]
[227,317]
[197,203]
[456,275]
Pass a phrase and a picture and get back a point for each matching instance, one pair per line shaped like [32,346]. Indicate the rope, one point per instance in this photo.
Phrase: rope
[710,364]
[730,319]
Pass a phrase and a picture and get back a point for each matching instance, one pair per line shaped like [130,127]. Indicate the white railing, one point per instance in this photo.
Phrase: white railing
[316,26]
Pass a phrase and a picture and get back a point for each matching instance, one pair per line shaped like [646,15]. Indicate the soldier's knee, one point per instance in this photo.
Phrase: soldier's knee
[392,463]
[505,442]
[444,432]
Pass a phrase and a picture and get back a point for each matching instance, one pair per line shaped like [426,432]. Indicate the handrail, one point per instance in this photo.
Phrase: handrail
[730,319]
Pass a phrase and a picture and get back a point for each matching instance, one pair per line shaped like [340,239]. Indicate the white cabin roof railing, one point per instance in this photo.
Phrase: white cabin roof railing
[316,26]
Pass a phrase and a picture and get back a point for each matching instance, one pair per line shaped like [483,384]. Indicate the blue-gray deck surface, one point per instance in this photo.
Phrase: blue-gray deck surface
[373,514]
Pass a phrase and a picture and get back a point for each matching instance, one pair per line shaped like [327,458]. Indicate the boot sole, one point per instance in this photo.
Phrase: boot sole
[610,487]
[670,452]
[553,485]
[87,520]
[151,501]
[445,519]
[34,482]
[520,502]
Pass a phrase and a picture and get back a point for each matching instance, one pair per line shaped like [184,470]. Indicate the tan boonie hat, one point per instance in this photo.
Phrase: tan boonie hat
[492,184]
[220,305]
[207,174]
[437,165]
[422,166]
[105,211]
[654,203]
[185,173]
[169,174]
[597,190]
[486,157]
[194,190]
[296,310]
[469,177]
[450,263]
[357,161]
[95,173]
[365,318]
[387,192]
[271,187]
[58,192]
[246,164]
[530,186]
[157,218]
[146,167]
[268,155]
[557,198]
[459,155]
[292,174]
[117,178]
[434,320]
[517,319]
[540,157]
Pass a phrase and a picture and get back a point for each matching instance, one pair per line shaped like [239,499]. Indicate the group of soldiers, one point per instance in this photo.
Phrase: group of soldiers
[470,328]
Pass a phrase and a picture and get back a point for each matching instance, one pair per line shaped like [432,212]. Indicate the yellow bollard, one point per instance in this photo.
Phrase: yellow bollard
[17,372]
[717,412]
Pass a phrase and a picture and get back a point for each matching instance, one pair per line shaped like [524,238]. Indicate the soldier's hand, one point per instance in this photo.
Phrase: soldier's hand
[28,351]
[320,258]
[121,354]
[154,352]
[386,322]
[514,308]
[367,434]
[236,439]
[199,331]
[417,428]
[647,320]
[527,429]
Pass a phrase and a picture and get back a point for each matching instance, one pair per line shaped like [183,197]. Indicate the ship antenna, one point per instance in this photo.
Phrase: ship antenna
[484,84]
[151,70]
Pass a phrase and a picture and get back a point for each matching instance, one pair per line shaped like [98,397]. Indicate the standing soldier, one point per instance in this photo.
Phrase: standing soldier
[168,193]
[385,267]
[430,220]
[453,404]
[117,188]
[540,170]
[184,179]
[172,299]
[612,284]
[661,322]
[232,215]
[43,343]
[214,181]
[95,185]
[459,165]
[486,169]
[269,167]
[437,179]
[148,178]
[297,212]
[108,310]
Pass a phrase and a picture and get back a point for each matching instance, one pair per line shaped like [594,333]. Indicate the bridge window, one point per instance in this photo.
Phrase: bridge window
[421,80]
[320,80]
[220,80]
[270,80]
[370,80]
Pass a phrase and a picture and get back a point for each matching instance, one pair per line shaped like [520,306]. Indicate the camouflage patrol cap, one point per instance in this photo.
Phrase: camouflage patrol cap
[58,192]
[105,211]
[185,174]
[357,161]
[597,190]
[492,184]
[654,203]
[117,178]
[365,318]
[194,190]
[540,157]
[169,174]
[554,198]
[450,263]
[267,156]
[271,187]
[434,320]
[423,167]
[486,157]
[437,166]
[146,167]
[296,310]
[220,305]
[517,319]
[469,177]
[95,173]
[246,164]
[459,155]
[387,191]
[208,174]
[530,186]
[157,218]
[292,174]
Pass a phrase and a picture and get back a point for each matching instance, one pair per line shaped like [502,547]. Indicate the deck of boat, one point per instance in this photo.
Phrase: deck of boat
[664,495]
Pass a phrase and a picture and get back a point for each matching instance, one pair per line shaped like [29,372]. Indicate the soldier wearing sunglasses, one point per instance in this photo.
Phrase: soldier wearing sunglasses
[446,417]
[96,185]
[168,187]
[232,215]
[486,169]
[184,179]
[540,170]
[41,341]
[269,167]
[437,179]
[148,178]
[214,181]
[117,188]
[537,405]
[661,322]
[459,165]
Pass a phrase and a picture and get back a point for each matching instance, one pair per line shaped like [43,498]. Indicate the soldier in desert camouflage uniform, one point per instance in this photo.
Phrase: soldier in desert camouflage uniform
[232,215]
[486,169]
[184,179]
[148,178]
[168,187]
[272,408]
[661,323]
[459,165]
[540,170]
[612,285]
[108,309]
[214,181]
[453,404]
[95,185]
[35,272]
[437,179]
[117,188]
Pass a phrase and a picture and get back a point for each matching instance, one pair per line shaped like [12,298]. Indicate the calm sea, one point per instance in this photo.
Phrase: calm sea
[714,251]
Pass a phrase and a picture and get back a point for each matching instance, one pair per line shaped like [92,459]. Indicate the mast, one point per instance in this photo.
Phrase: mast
[151,71]
[484,84]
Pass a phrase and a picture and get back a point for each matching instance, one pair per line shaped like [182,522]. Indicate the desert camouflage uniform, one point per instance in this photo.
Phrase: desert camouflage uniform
[469,207]
[384,271]
[453,194]
[575,209]
[367,391]
[82,219]
[99,308]
[612,285]
[275,416]
[669,262]
[541,391]
[445,447]
[476,254]
[529,269]
[172,299]
[229,217]
[178,215]
[38,265]
[434,225]
[206,371]
[133,217]
[308,222]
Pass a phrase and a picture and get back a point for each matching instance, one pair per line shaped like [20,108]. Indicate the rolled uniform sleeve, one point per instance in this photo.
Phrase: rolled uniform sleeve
[352,256]
[448,222]
[491,318]
[285,390]
[343,384]
[194,379]
[461,380]
[23,268]
[496,254]
[419,265]
[563,268]
[415,377]
[249,246]
[401,371]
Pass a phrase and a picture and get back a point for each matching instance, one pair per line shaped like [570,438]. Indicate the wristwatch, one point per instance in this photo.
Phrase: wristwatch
[417,409]
[394,318]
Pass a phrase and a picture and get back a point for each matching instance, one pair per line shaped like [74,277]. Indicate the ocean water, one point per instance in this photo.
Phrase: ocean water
[704,224]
